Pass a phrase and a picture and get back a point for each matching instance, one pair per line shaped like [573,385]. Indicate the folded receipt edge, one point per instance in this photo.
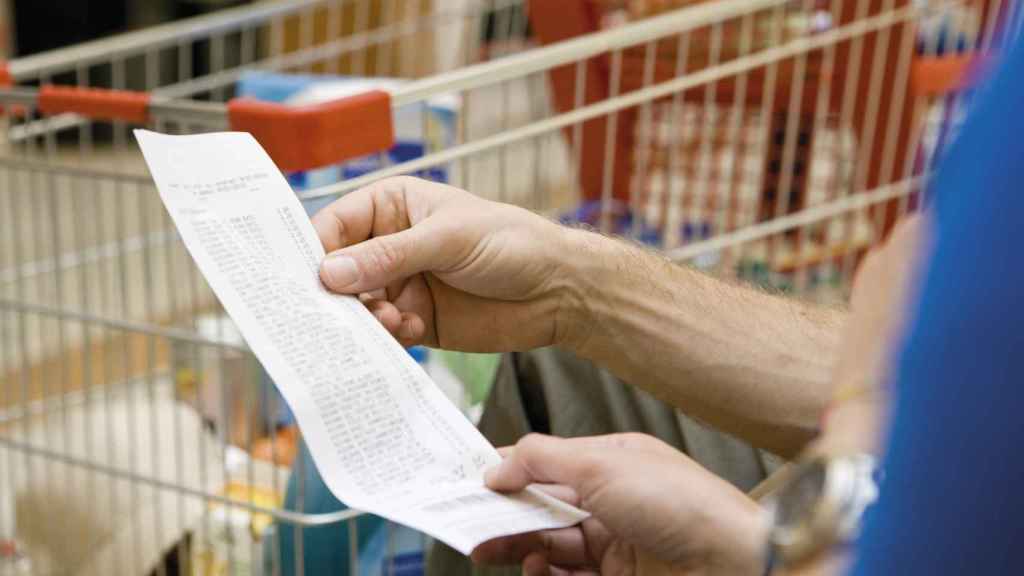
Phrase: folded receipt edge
[222,180]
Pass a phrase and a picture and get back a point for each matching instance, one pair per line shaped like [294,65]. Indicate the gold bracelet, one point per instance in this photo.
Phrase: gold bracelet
[843,394]
[847,392]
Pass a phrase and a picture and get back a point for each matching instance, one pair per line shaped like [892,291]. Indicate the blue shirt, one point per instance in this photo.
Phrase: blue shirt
[953,499]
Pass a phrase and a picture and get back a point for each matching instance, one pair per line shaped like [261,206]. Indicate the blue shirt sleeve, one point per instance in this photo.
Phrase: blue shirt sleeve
[953,499]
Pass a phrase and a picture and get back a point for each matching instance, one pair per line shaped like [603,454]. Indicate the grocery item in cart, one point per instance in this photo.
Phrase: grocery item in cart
[418,127]
[73,520]
[232,393]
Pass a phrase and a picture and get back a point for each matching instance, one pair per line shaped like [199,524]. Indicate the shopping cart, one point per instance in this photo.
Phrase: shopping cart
[770,140]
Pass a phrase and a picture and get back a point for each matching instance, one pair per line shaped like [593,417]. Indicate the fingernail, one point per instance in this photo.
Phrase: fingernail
[340,271]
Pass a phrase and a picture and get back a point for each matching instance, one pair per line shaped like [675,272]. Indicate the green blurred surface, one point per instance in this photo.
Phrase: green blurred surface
[476,371]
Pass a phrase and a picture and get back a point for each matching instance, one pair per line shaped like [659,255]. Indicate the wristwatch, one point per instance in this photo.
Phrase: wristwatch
[818,505]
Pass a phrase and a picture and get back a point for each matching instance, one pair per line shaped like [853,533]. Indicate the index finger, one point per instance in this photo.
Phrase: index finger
[391,204]
[564,546]
[548,460]
[572,462]
[348,220]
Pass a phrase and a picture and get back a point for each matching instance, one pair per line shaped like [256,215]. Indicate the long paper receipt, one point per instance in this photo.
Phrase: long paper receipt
[385,439]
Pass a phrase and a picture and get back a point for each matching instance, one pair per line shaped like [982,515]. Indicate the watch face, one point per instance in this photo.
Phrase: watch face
[797,500]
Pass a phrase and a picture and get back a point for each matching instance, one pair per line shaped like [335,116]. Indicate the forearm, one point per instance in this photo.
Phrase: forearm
[750,363]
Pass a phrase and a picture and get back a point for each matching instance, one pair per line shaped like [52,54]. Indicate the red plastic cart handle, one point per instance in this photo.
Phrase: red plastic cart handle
[96,103]
[940,75]
[301,138]
[297,138]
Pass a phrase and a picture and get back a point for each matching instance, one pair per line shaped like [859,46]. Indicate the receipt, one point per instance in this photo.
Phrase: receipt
[385,439]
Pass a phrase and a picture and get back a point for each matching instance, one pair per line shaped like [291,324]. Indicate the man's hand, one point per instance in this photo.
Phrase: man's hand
[441,267]
[654,511]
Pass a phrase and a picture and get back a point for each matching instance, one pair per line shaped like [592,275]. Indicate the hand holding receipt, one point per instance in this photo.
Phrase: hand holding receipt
[383,436]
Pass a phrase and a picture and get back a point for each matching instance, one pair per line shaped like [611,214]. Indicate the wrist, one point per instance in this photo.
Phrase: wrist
[742,541]
[582,257]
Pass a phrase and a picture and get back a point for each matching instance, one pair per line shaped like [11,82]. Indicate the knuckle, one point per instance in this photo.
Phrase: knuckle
[384,191]
[593,475]
[340,227]
[404,199]
[593,467]
[386,255]
[403,183]
[547,542]
[393,188]
[393,207]
[375,189]
[388,185]
[632,440]
[530,443]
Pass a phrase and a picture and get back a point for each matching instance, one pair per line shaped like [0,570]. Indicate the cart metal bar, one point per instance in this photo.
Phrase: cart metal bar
[278,513]
[123,325]
[504,69]
[207,114]
[471,77]
[637,97]
[21,164]
[805,217]
[81,258]
[169,102]
[165,35]
[18,96]
[302,57]
[519,65]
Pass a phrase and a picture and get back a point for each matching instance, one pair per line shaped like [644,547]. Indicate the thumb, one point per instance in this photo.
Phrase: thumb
[379,261]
